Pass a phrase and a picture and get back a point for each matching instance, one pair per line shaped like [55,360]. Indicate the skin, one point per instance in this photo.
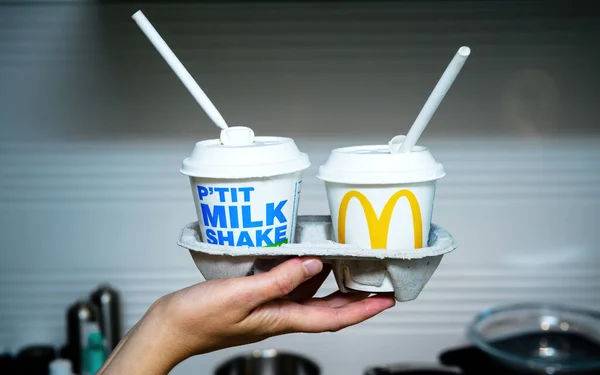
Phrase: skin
[217,314]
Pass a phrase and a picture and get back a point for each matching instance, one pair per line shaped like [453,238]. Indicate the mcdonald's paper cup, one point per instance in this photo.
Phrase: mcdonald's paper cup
[246,190]
[380,200]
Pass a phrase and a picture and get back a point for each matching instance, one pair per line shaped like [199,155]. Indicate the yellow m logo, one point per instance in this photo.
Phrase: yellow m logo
[379,227]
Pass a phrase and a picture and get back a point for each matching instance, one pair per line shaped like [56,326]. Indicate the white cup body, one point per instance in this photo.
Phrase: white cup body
[253,212]
[395,216]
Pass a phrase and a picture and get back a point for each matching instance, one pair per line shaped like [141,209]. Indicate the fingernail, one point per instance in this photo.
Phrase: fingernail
[312,267]
[390,303]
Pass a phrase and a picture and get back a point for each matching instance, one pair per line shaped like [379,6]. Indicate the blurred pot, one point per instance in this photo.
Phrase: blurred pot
[540,338]
[268,362]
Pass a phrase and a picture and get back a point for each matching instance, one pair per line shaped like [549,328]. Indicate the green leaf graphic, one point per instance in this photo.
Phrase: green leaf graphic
[278,243]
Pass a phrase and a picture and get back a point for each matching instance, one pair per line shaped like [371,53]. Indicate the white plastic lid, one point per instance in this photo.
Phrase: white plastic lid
[238,154]
[376,165]
[60,367]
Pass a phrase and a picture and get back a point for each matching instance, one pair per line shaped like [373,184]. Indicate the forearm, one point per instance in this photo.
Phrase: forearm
[150,348]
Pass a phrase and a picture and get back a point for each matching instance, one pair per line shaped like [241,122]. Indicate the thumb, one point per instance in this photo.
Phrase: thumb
[281,280]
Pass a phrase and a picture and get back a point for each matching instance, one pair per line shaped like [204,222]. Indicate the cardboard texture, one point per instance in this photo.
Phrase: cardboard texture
[409,270]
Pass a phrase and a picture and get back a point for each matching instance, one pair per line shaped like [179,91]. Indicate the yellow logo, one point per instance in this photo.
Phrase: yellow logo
[379,227]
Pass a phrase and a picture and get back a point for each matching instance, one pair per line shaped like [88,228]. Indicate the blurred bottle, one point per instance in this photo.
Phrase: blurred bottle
[94,354]
[61,366]
[108,304]
[82,319]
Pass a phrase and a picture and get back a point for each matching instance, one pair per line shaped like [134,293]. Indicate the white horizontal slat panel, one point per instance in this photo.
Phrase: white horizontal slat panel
[84,213]
[480,169]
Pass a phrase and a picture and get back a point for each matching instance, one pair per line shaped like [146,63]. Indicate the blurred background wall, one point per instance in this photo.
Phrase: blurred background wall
[94,125]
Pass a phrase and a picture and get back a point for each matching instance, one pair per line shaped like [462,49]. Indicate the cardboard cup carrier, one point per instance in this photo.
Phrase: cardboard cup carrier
[379,237]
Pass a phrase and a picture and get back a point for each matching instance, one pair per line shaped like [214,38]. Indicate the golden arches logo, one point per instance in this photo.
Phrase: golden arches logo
[379,226]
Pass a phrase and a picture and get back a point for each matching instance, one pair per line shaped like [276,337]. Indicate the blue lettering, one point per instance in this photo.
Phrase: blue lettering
[263,237]
[202,192]
[280,234]
[210,236]
[244,240]
[234,198]
[275,212]
[221,192]
[246,191]
[229,238]
[233,217]
[247,218]
[217,218]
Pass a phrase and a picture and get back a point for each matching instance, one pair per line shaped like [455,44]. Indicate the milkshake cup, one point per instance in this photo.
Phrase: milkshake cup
[381,200]
[381,197]
[246,189]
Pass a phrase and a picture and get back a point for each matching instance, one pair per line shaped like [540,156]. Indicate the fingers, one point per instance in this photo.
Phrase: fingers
[280,281]
[314,319]
[309,288]
[336,299]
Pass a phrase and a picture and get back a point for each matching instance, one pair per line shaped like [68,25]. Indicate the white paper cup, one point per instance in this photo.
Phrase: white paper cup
[380,200]
[382,216]
[247,194]
[247,212]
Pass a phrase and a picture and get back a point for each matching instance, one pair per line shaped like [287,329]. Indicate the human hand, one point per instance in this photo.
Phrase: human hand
[228,312]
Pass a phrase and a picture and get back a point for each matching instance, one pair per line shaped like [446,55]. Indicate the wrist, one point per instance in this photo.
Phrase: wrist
[151,348]
[158,339]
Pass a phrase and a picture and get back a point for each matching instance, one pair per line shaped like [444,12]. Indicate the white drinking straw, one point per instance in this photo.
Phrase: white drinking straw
[434,100]
[179,69]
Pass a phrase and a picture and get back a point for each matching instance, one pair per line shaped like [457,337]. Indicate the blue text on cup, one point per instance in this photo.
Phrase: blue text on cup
[232,213]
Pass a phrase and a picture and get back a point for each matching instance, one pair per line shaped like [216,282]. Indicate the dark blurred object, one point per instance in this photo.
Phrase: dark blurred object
[472,361]
[108,304]
[7,364]
[411,369]
[520,339]
[82,319]
[539,338]
[467,360]
[268,362]
[35,359]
